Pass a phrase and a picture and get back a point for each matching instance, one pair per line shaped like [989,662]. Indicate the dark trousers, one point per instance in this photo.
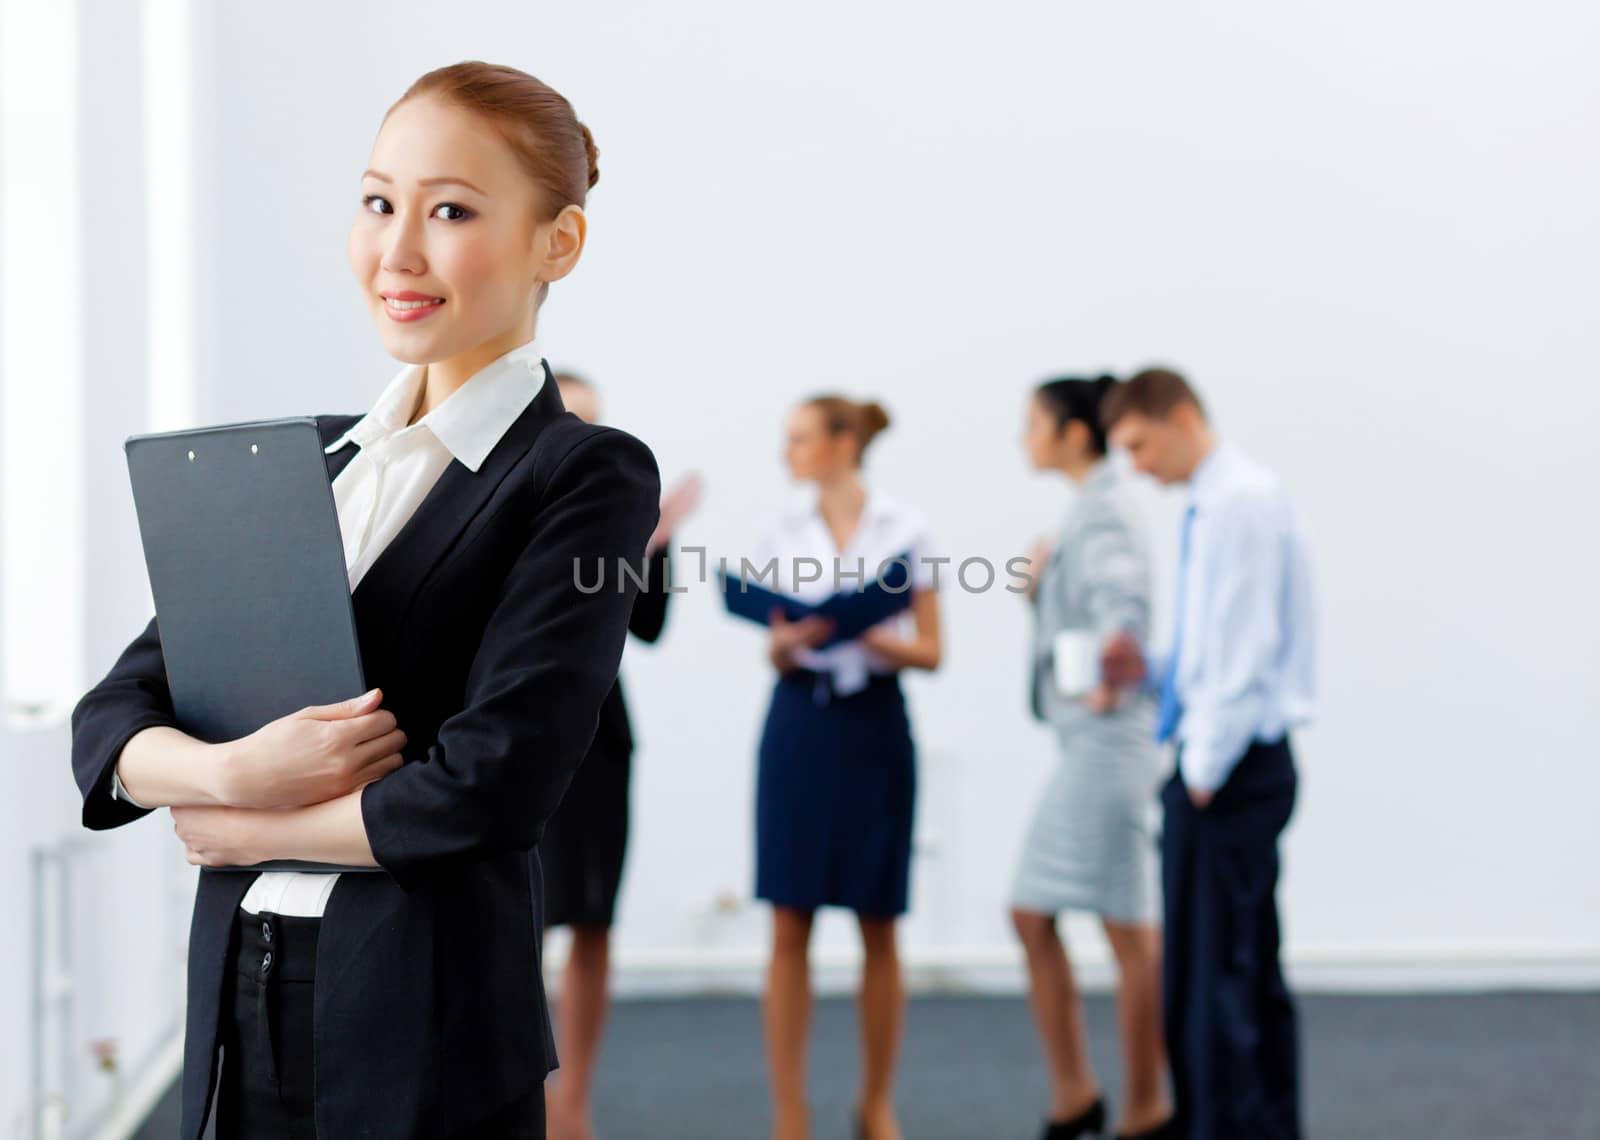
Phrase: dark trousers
[266,1090]
[1230,1023]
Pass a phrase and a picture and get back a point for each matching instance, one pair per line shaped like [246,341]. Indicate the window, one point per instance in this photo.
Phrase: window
[41,365]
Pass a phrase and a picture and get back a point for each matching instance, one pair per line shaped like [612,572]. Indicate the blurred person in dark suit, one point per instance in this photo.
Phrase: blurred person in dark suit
[585,842]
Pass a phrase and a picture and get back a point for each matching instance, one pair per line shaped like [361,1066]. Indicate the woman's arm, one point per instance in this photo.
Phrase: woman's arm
[330,832]
[165,767]
[131,700]
[649,614]
[126,725]
[920,651]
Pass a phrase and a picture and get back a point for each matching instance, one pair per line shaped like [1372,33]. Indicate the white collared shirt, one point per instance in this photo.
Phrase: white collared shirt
[376,495]
[810,567]
[1246,665]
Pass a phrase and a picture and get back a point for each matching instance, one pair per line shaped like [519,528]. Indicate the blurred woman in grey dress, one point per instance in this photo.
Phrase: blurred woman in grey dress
[1092,842]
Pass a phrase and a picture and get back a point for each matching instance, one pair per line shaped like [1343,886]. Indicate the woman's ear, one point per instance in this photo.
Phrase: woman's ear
[561,243]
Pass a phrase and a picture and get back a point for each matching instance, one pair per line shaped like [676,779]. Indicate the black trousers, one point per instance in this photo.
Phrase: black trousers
[1230,1023]
[266,1088]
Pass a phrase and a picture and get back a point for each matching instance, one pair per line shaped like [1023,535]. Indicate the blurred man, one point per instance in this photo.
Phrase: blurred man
[1238,676]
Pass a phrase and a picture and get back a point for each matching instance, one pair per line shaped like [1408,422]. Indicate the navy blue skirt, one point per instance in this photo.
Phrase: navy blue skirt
[835,795]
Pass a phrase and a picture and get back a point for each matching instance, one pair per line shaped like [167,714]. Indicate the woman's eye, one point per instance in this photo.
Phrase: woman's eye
[445,211]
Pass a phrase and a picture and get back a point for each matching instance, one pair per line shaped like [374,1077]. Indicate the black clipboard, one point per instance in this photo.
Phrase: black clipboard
[242,544]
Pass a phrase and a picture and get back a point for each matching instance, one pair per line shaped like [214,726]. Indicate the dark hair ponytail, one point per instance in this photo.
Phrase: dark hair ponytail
[1073,398]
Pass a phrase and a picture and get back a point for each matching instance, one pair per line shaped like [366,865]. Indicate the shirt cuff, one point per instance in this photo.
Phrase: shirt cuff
[118,792]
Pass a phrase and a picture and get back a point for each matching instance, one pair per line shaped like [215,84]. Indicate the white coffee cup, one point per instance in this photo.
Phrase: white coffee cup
[1075,656]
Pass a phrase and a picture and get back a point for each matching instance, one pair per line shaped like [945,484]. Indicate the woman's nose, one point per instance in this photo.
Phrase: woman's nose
[402,252]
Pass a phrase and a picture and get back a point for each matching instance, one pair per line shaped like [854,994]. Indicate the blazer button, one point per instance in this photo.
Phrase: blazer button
[266,962]
[266,932]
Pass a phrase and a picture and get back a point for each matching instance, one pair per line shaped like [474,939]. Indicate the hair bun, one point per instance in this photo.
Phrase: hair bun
[593,153]
[874,418]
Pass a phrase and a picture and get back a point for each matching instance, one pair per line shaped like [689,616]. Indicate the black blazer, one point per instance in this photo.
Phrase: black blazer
[429,1005]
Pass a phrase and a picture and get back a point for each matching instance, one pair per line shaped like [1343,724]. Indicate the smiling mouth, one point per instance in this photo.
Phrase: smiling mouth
[408,305]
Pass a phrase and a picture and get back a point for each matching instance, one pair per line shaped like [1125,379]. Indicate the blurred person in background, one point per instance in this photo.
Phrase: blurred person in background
[584,844]
[1092,843]
[1240,674]
[836,785]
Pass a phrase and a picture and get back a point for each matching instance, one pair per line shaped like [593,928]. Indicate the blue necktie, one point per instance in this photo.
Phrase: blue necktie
[1169,711]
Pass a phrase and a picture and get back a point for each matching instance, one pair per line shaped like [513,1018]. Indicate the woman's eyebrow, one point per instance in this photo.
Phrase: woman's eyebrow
[381,177]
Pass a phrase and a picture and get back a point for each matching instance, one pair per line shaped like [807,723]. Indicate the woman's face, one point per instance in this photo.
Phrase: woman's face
[1039,436]
[813,454]
[449,246]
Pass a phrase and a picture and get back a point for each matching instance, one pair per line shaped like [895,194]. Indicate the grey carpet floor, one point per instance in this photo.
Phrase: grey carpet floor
[1512,1066]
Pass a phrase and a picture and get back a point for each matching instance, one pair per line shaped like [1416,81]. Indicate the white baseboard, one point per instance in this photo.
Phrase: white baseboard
[991,970]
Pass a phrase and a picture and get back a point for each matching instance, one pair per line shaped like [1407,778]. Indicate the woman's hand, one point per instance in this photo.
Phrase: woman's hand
[790,636]
[316,754]
[676,505]
[1122,662]
[218,836]
[1102,699]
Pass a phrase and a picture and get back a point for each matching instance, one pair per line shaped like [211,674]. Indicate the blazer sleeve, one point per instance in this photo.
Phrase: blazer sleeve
[1116,586]
[550,653]
[132,697]
[649,615]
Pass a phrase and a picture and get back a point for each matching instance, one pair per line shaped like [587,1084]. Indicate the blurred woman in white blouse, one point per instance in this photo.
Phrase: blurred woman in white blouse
[837,779]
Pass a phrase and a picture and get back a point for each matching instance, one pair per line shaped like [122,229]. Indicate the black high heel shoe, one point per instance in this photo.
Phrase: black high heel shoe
[1090,1122]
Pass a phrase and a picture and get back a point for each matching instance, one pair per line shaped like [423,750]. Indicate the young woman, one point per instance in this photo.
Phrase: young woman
[583,848]
[1091,846]
[837,779]
[402,1003]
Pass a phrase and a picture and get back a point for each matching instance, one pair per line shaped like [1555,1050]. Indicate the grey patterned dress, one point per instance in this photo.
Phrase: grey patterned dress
[1092,842]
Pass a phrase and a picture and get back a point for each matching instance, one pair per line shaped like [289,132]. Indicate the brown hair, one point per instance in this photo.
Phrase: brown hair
[535,120]
[1154,393]
[841,415]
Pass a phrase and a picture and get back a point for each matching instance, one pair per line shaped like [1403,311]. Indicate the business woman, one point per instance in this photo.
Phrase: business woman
[402,1003]
[836,784]
[584,846]
[1092,845]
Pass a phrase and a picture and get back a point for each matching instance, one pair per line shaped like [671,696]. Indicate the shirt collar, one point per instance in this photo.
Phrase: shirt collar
[471,421]
[1211,475]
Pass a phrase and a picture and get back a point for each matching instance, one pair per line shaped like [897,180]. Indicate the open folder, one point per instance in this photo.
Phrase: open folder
[852,612]
[241,541]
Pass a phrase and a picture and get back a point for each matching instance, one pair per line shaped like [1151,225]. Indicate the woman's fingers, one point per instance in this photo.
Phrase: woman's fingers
[343,710]
[379,751]
[359,729]
[378,770]
[815,630]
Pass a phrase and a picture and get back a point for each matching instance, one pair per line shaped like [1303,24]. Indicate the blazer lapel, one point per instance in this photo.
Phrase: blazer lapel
[384,593]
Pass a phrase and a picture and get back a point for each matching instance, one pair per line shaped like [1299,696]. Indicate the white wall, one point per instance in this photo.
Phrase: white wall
[1366,232]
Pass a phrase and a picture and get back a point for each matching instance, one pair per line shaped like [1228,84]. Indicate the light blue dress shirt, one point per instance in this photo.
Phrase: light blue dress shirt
[1245,665]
